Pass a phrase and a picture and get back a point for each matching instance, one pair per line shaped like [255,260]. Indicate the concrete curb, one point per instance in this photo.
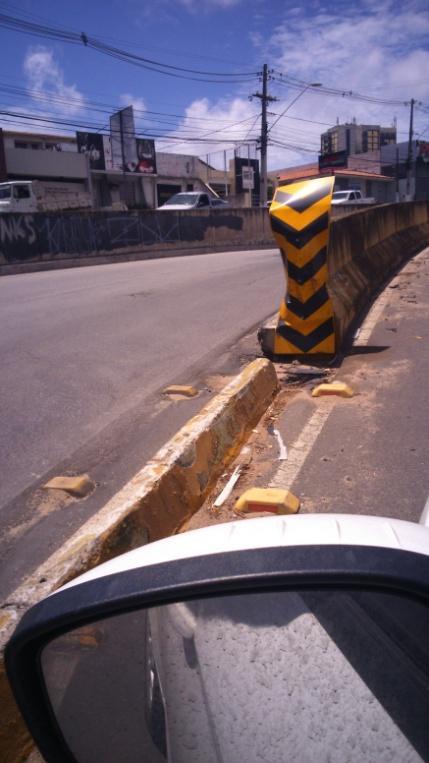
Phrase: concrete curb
[167,491]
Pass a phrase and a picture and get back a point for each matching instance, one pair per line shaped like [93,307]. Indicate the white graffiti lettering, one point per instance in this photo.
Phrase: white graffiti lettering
[18,227]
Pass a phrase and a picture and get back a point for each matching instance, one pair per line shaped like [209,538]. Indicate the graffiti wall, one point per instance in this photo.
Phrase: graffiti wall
[36,236]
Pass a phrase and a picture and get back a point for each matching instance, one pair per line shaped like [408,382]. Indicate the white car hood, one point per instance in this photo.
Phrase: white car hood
[175,207]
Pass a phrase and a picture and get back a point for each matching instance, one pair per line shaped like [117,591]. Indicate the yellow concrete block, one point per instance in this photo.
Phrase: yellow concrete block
[333,388]
[80,485]
[270,499]
[179,389]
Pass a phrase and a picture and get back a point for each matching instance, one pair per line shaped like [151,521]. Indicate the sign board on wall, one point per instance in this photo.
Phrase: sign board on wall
[247,175]
[336,159]
[130,154]
[146,157]
[92,144]
[123,139]
[247,178]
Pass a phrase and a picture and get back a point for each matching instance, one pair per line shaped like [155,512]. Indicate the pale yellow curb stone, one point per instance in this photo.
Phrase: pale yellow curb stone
[333,388]
[81,485]
[179,389]
[274,500]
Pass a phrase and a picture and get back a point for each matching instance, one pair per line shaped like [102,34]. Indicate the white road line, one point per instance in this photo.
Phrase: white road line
[424,519]
[371,320]
[289,470]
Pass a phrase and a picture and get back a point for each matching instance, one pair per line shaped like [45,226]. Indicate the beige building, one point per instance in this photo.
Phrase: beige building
[54,160]
[356,139]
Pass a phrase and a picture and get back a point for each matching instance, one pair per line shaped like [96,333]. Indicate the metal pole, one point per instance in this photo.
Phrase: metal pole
[410,149]
[397,174]
[264,138]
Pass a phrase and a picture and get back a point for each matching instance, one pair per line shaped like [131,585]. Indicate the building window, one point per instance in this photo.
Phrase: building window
[371,140]
[329,142]
[21,192]
[33,146]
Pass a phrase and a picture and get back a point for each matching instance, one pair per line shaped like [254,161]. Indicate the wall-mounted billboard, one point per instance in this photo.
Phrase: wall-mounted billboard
[92,144]
[146,157]
[123,139]
[336,159]
[247,176]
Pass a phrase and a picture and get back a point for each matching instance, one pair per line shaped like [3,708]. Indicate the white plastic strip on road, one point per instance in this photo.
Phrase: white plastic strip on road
[289,470]
[424,519]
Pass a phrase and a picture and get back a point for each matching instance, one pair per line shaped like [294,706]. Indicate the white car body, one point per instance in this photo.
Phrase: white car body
[351,196]
[294,530]
[182,202]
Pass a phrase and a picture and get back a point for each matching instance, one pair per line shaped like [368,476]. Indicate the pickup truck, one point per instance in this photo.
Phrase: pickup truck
[192,200]
[351,196]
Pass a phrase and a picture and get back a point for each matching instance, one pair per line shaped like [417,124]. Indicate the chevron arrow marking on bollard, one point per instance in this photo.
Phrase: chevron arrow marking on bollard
[300,221]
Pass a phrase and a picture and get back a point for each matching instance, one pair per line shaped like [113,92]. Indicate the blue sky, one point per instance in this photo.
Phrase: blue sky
[378,49]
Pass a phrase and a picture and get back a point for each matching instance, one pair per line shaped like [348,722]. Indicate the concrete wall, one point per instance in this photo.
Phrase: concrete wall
[365,249]
[58,236]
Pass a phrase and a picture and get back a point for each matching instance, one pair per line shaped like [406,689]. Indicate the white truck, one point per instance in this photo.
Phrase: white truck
[192,200]
[351,196]
[27,196]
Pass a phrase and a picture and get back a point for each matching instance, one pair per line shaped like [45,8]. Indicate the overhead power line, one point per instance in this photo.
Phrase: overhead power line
[45,31]
[105,108]
[290,81]
[88,126]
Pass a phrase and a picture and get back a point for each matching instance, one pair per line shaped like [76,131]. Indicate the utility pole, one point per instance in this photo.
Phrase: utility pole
[264,98]
[397,174]
[410,149]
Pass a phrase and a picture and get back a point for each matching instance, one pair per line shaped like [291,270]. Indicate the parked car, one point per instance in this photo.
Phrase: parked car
[219,202]
[351,196]
[191,200]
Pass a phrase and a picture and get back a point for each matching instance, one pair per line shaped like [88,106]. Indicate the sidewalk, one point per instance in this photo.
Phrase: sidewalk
[364,455]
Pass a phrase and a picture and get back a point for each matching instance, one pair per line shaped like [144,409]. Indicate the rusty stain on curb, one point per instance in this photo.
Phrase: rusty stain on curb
[159,498]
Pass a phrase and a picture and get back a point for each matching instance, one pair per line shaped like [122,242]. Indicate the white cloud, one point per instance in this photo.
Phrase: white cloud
[126,99]
[379,50]
[48,95]
[45,80]
[376,49]
[231,120]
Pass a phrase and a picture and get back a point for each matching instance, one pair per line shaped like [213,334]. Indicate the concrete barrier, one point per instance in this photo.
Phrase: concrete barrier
[365,248]
[153,505]
[40,241]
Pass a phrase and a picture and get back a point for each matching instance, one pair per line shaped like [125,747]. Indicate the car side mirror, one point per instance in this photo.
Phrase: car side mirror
[261,644]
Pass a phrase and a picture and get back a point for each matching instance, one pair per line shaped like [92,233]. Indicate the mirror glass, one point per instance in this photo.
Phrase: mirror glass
[323,675]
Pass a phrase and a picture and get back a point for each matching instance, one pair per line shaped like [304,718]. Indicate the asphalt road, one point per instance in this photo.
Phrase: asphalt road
[85,354]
